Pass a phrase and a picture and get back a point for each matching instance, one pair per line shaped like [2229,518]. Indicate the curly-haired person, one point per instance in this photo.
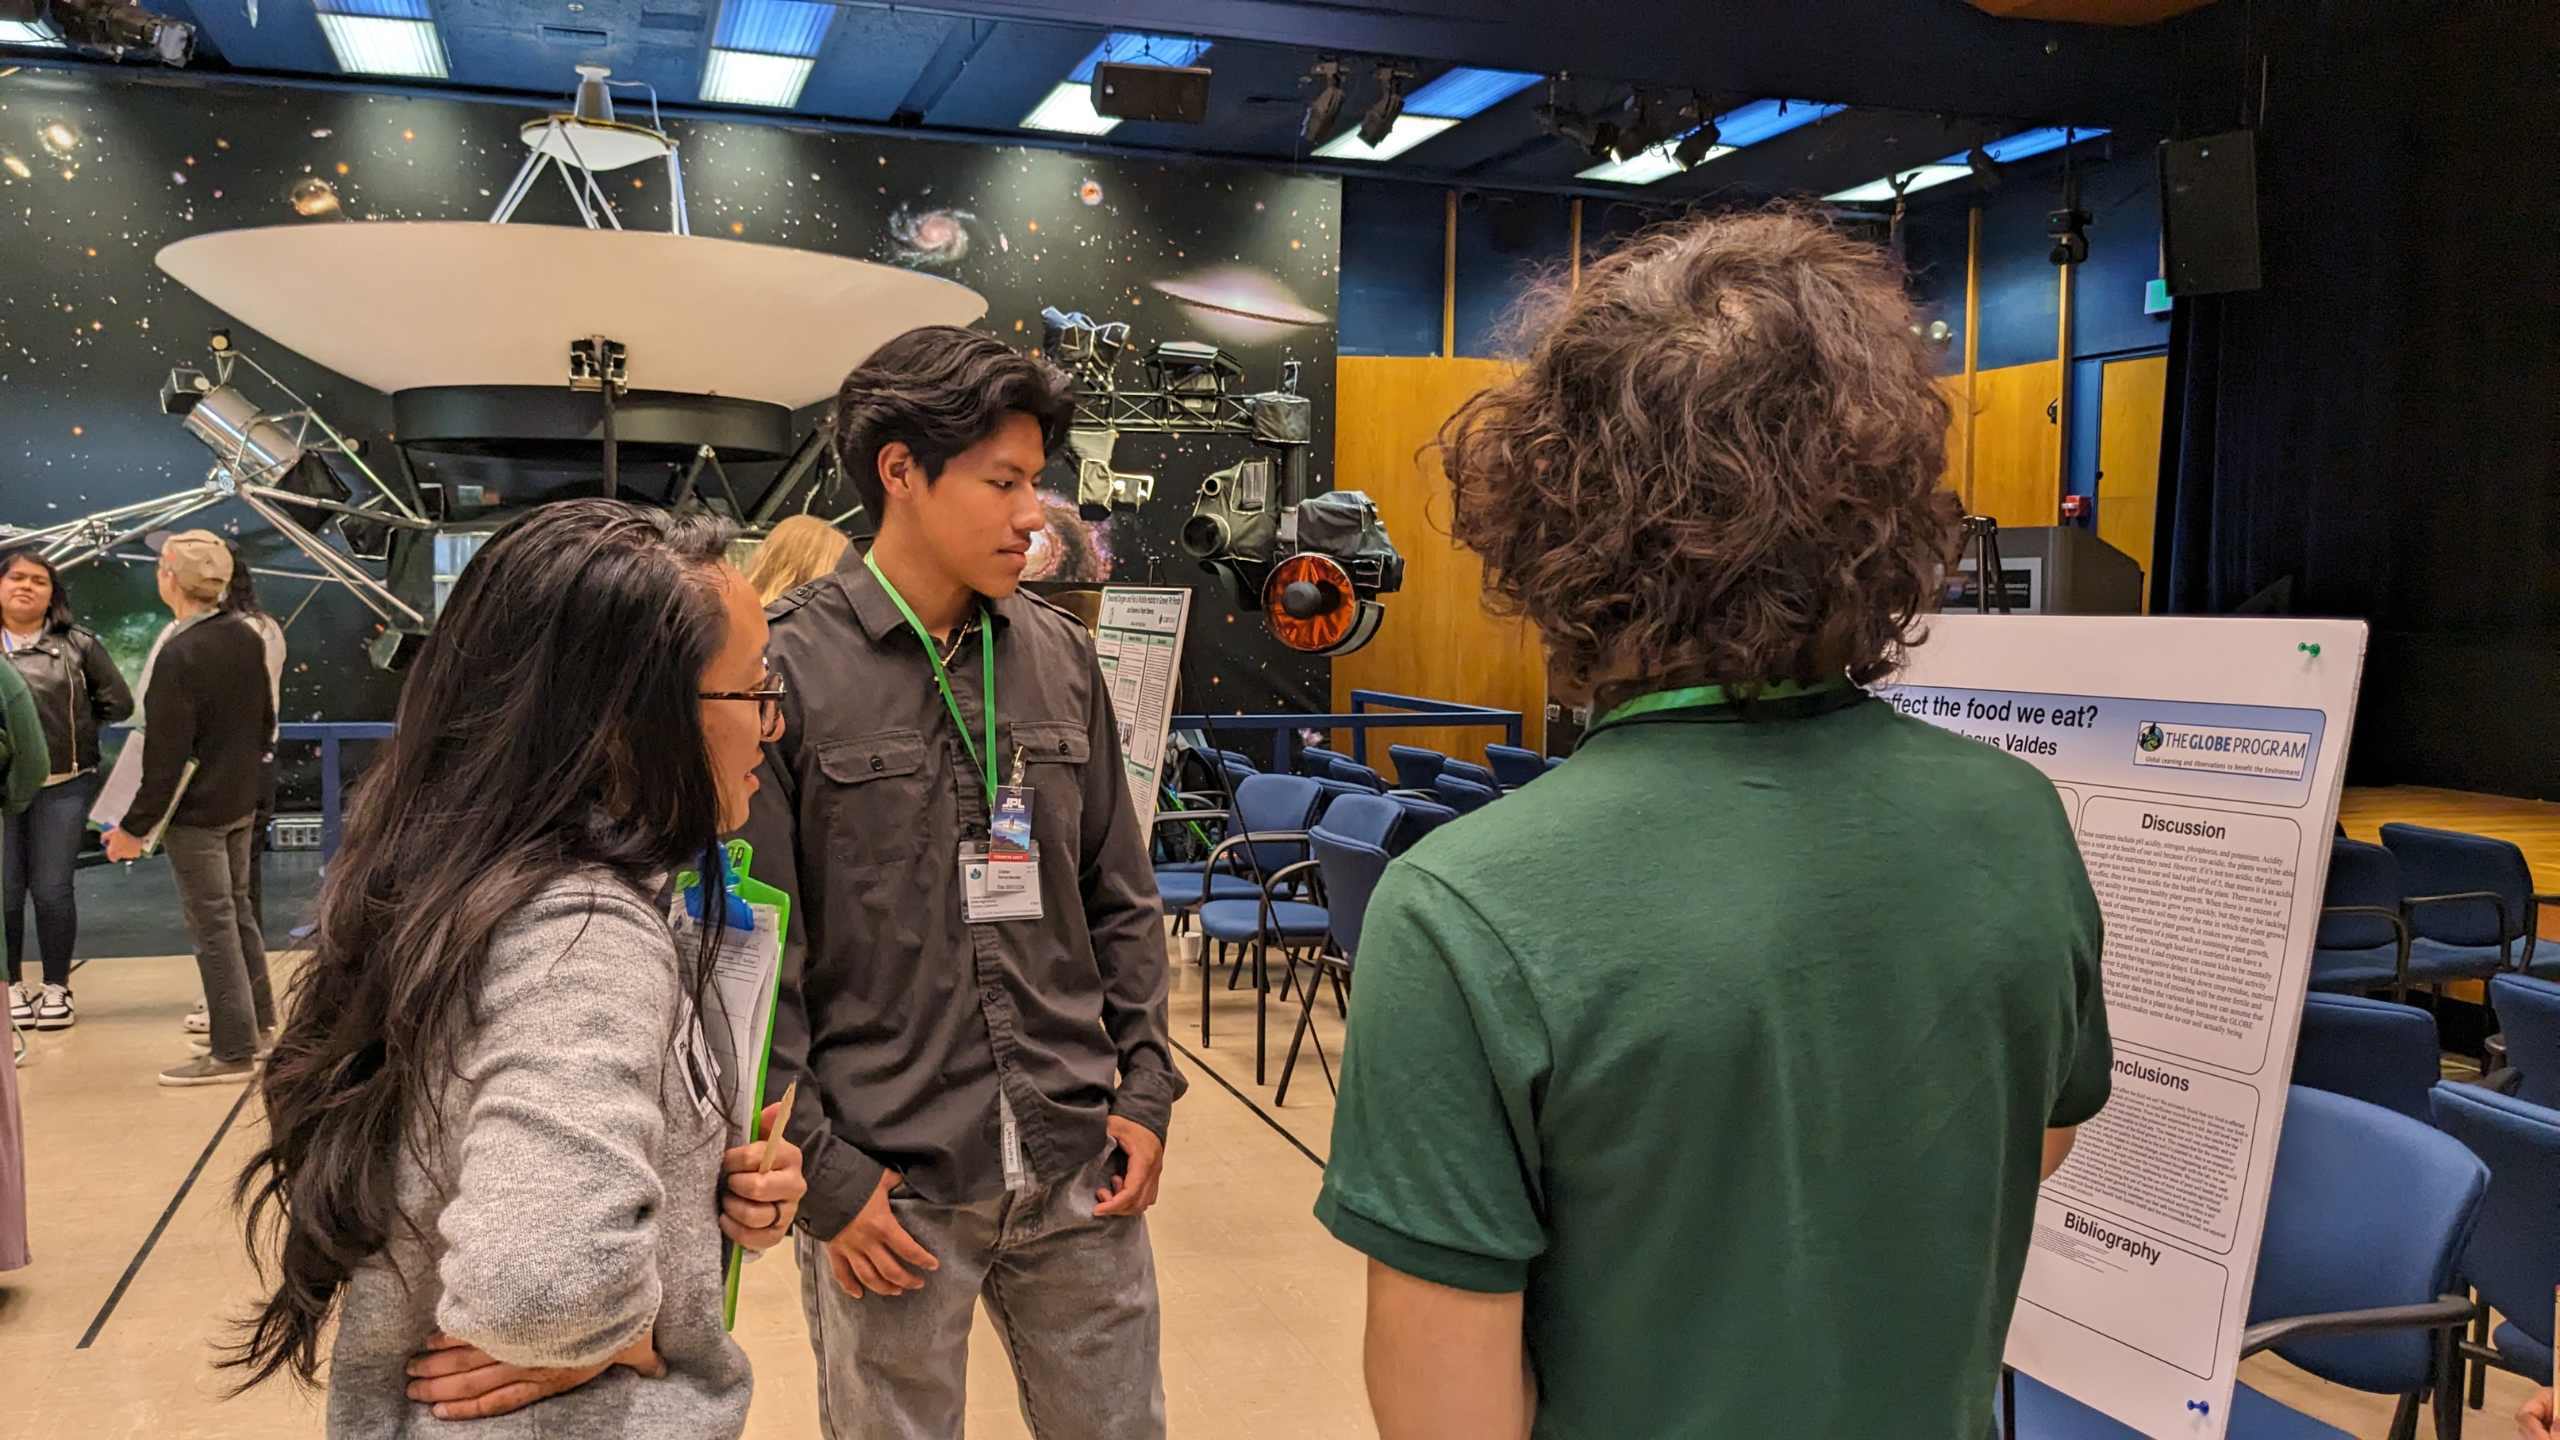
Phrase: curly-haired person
[1703,1087]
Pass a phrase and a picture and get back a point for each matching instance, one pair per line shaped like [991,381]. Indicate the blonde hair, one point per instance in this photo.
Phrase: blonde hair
[798,551]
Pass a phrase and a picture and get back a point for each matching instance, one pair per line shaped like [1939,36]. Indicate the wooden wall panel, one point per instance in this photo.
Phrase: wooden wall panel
[1437,641]
[2130,401]
[2015,475]
[1953,387]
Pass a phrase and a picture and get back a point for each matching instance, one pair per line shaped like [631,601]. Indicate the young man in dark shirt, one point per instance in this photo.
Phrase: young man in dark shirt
[987,1079]
[209,703]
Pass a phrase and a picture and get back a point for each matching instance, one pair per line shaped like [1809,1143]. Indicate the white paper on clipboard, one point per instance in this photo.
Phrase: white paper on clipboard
[1139,643]
[123,779]
[737,1021]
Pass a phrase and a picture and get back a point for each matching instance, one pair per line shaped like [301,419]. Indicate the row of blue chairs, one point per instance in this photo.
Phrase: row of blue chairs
[1291,874]
[2423,907]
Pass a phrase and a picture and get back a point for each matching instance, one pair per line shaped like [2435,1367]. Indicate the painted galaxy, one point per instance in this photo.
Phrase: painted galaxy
[99,170]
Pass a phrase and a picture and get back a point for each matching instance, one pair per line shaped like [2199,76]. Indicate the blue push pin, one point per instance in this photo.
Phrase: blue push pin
[2205,1407]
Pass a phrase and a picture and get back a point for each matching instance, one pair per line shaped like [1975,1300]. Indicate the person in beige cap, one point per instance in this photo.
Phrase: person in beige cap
[209,713]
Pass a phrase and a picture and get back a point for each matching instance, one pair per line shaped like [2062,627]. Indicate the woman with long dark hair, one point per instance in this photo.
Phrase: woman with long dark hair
[77,690]
[492,1155]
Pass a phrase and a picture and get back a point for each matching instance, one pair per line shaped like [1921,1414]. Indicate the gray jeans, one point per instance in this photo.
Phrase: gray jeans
[212,871]
[1073,1298]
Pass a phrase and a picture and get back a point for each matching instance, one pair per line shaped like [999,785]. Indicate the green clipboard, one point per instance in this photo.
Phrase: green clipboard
[753,892]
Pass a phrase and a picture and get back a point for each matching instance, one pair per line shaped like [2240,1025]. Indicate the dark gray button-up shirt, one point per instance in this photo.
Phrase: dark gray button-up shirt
[904,1019]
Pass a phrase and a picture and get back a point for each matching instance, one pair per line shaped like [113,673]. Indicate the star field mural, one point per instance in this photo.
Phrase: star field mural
[98,171]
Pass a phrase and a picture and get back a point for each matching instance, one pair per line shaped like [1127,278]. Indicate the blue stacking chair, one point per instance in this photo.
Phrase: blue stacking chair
[1416,767]
[1461,794]
[2371,1050]
[2363,942]
[1512,766]
[2470,900]
[1268,833]
[2513,1260]
[1316,761]
[2354,1277]
[2528,1012]
[1350,854]
[1554,760]
[1469,770]
[1352,772]
[1421,817]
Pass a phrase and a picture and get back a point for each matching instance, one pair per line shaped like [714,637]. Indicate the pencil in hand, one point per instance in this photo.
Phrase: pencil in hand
[764,1163]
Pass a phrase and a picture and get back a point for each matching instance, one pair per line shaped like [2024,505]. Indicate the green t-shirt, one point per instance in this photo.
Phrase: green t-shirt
[1732,1044]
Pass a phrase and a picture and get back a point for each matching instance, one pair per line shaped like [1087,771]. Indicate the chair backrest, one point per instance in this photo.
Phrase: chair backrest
[1351,854]
[2449,862]
[2372,1050]
[1421,817]
[2513,1259]
[2529,1011]
[1554,760]
[1352,772]
[1330,791]
[1238,768]
[1268,803]
[1415,766]
[2361,875]
[2338,1238]
[1462,794]
[1469,770]
[1513,766]
[1317,760]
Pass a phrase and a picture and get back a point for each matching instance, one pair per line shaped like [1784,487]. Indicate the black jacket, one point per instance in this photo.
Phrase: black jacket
[209,703]
[77,689]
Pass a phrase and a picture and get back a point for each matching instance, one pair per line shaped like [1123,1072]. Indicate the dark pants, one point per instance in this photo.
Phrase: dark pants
[258,847]
[212,871]
[42,842]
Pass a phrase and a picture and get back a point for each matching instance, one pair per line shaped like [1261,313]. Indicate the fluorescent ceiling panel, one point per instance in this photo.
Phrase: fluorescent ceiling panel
[1464,93]
[375,45]
[1956,166]
[1407,132]
[379,9]
[24,32]
[772,27]
[1127,48]
[1068,109]
[743,77]
[1743,125]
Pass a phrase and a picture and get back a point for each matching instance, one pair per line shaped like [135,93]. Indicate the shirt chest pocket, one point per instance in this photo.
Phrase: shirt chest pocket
[874,793]
[1054,753]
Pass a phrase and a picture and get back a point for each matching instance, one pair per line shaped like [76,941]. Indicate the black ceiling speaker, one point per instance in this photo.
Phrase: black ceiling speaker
[1171,94]
[2209,213]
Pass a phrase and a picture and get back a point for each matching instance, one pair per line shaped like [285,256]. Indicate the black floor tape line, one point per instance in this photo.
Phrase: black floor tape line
[1267,1119]
[115,1296]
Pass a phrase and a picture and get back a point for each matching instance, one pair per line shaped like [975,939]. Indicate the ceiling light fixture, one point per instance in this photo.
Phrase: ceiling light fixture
[384,37]
[1382,113]
[1325,110]
[762,52]
[2007,151]
[1742,126]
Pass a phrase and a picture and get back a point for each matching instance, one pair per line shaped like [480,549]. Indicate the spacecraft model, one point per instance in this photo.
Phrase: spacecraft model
[525,363]
[1314,565]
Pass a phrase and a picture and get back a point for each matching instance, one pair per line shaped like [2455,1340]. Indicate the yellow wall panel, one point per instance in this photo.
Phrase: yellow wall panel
[2129,456]
[1437,640]
[2015,464]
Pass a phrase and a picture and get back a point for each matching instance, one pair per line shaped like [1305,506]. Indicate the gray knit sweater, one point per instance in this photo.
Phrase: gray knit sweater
[571,1204]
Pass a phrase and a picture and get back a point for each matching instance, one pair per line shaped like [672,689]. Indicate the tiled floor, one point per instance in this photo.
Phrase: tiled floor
[1262,1308]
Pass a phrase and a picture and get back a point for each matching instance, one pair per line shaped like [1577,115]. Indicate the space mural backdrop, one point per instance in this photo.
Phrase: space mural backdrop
[98,171]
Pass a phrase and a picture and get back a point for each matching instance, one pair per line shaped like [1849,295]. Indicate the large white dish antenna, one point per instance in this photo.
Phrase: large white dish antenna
[402,304]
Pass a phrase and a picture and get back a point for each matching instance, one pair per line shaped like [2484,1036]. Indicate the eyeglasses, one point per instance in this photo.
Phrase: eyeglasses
[768,698]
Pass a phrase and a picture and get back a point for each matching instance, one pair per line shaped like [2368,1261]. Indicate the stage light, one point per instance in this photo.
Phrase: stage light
[1407,132]
[1985,169]
[2066,228]
[1693,148]
[1642,130]
[1325,110]
[1381,115]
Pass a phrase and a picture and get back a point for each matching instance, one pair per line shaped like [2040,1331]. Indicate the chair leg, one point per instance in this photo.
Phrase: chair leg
[1261,1007]
[2404,1421]
[2446,1400]
[2476,1373]
[1204,992]
[1289,1066]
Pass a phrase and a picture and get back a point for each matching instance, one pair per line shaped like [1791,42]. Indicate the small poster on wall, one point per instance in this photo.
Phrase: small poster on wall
[1139,642]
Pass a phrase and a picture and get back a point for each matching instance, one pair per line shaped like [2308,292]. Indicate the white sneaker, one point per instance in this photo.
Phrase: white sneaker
[22,1010]
[198,1022]
[53,1008]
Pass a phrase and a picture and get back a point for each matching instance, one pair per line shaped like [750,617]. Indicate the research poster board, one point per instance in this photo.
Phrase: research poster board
[2200,760]
[1139,642]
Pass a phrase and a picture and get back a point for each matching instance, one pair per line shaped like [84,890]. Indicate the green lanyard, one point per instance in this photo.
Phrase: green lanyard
[1696,697]
[985,759]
